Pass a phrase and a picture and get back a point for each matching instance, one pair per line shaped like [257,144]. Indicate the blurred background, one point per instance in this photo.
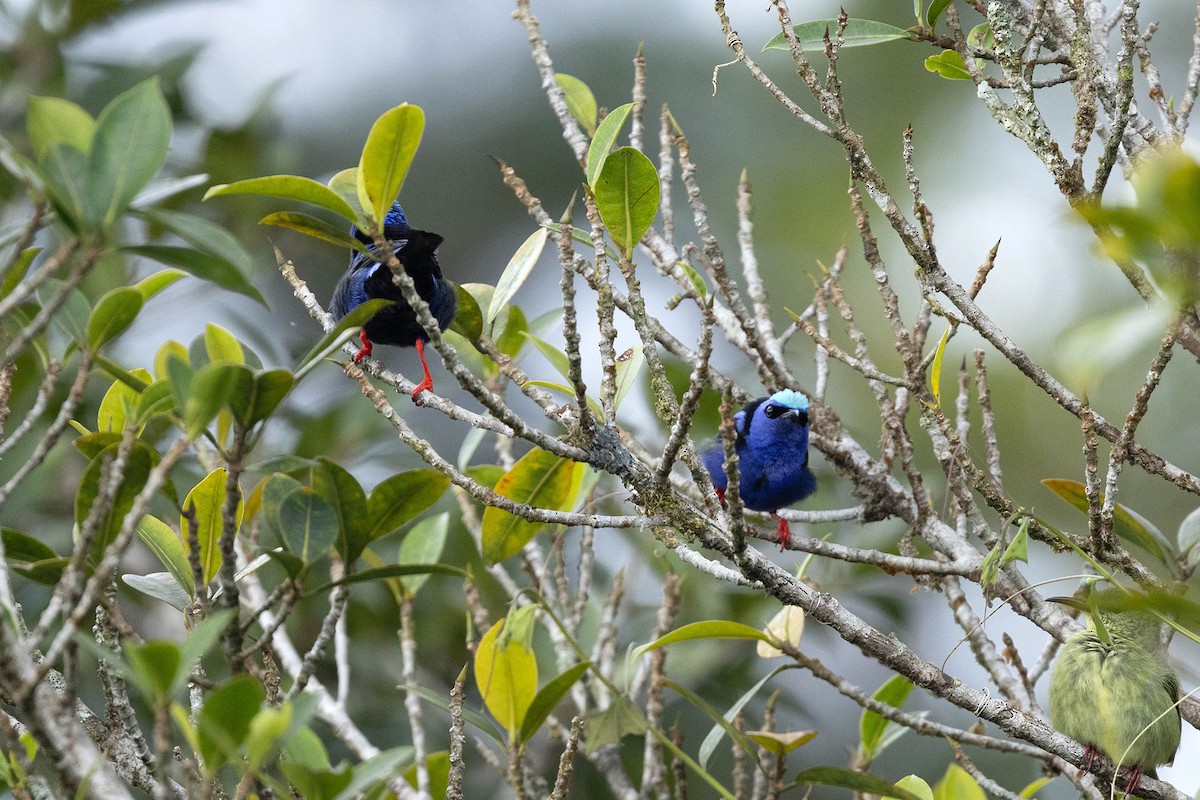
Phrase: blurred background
[271,86]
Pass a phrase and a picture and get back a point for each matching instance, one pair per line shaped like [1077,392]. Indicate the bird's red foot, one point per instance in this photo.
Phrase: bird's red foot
[365,352]
[426,382]
[1089,753]
[1133,776]
[783,533]
[720,494]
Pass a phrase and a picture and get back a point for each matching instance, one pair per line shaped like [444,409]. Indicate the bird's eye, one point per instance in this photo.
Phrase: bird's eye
[772,411]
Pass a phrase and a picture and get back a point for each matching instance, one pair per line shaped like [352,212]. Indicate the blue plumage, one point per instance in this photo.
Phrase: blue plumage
[368,279]
[772,448]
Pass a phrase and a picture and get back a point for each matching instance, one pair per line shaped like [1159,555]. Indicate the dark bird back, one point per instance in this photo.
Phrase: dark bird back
[368,279]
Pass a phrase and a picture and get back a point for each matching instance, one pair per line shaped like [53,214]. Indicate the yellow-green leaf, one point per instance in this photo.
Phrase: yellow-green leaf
[935,369]
[580,101]
[118,404]
[289,187]
[780,744]
[221,345]
[1128,524]
[207,498]
[957,784]
[386,157]
[506,674]
[603,140]
[708,629]
[539,479]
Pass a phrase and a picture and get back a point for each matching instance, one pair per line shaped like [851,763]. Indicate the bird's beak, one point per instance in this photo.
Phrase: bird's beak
[1073,602]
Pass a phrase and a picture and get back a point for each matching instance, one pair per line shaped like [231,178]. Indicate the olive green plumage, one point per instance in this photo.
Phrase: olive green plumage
[1106,689]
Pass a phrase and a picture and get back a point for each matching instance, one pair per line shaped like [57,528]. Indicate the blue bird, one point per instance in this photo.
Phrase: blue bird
[367,279]
[772,449]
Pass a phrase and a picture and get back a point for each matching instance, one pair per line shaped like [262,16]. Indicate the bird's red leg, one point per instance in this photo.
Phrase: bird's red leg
[783,533]
[720,494]
[366,346]
[1133,776]
[427,382]
[1089,754]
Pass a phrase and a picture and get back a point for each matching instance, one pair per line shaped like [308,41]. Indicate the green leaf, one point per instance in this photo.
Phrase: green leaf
[481,722]
[539,479]
[738,737]
[935,12]
[386,157]
[707,629]
[916,785]
[207,498]
[557,358]
[153,284]
[16,273]
[400,498]
[622,718]
[1029,791]
[514,275]
[580,101]
[308,522]
[1018,548]
[872,726]
[201,265]
[603,141]
[780,744]
[405,571]
[629,366]
[225,718]
[53,120]
[289,187]
[161,586]
[858,33]
[627,195]
[142,459]
[112,315]
[582,237]
[957,784]
[65,171]
[468,320]
[506,675]
[128,147]
[221,345]
[208,390]
[170,549]
[340,333]
[709,745]
[935,369]
[265,730]
[153,665]
[423,544]
[316,228]
[118,403]
[547,698]
[1129,525]
[32,558]
[512,336]
[438,765]
[858,781]
[203,235]
[344,493]
[270,388]
[949,65]
[345,185]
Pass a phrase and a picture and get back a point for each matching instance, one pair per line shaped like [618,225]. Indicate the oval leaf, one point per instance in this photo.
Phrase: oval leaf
[207,499]
[708,629]
[602,142]
[858,33]
[858,781]
[580,101]
[401,497]
[128,146]
[518,269]
[627,195]
[170,549]
[539,479]
[386,157]
[506,675]
[52,120]
[289,187]
[113,314]
[201,265]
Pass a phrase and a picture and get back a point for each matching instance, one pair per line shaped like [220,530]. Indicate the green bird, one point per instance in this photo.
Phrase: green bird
[1113,691]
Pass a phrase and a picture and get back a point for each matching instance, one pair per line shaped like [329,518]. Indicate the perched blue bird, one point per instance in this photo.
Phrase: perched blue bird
[772,449]
[367,279]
